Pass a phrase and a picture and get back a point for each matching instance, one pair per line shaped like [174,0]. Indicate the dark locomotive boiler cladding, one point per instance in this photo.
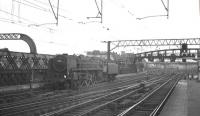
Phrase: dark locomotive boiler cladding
[59,63]
[71,71]
[59,71]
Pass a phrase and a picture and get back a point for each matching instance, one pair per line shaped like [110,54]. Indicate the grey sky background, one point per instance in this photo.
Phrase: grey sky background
[76,34]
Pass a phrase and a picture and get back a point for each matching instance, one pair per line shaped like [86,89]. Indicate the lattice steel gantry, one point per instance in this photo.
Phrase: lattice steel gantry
[111,45]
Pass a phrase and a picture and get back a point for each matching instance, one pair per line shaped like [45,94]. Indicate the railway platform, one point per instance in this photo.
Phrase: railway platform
[184,101]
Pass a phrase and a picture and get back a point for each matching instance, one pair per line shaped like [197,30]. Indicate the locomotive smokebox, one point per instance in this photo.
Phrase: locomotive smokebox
[59,63]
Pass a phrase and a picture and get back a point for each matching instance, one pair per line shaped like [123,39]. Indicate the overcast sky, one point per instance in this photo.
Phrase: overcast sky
[76,34]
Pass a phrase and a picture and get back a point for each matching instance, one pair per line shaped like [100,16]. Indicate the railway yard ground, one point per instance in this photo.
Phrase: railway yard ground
[160,93]
[36,85]
[11,94]
[25,92]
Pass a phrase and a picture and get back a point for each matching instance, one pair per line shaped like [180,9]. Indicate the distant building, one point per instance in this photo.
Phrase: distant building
[99,54]
[123,57]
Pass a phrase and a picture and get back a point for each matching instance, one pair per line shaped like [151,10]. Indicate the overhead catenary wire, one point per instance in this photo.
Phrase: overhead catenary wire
[166,7]
[39,5]
[8,13]
[21,19]
[21,23]
[151,16]
[49,11]
[6,20]
[36,5]
[12,8]
[43,8]
[33,4]
[122,6]
[38,8]
[47,4]
[19,10]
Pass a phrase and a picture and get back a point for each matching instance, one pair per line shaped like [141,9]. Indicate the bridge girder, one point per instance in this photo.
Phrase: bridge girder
[19,36]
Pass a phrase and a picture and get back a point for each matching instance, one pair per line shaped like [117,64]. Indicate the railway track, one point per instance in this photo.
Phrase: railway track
[152,104]
[113,104]
[47,105]
[11,97]
[70,100]
[98,103]
[52,95]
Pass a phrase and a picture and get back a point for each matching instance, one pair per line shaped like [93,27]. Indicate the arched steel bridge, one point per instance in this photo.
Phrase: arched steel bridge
[19,36]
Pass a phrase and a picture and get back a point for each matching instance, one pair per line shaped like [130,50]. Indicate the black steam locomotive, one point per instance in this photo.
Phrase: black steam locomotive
[70,71]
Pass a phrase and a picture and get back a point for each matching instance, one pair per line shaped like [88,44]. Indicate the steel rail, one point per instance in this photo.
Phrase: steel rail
[46,105]
[99,109]
[89,112]
[50,102]
[61,102]
[94,90]
[159,108]
[84,103]
[59,112]
[124,113]
[19,104]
